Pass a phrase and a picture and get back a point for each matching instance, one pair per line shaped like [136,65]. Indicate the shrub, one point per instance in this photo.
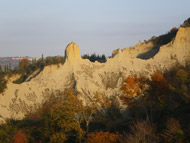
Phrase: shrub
[173,133]
[186,23]
[3,83]
[19,137]
[141,132]
[102,137]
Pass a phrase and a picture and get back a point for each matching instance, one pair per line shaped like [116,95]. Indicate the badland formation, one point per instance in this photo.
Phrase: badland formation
[88,78]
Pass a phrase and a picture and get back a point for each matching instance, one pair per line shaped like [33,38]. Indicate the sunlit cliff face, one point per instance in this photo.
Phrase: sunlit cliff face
[89,79]
[72,53]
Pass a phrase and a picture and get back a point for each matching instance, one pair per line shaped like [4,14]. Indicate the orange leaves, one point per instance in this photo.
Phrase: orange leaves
[19,137]
[102,137]
[158,78]
[58,60]
[23,63]
[158,84]
[173,29]
[132,85]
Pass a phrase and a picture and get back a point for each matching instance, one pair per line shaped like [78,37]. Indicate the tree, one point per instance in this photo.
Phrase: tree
[102,137]
[132,87]
[157,91]
[173,29]
[19,137]
[94,57]
[186,23]
[141,132]
[64,117]
[173,133]
[23,63]
[3,83]
[9,67]
[63,121]
[85,114]
[158,86]
[42,57]
[6,133]
[59,59]
[182,75]
[5,68]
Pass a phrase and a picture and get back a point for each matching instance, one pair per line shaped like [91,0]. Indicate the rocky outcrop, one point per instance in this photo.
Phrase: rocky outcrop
[72,54]
[90,79]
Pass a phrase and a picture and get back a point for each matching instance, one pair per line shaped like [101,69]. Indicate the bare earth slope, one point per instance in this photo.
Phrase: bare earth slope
[90,79]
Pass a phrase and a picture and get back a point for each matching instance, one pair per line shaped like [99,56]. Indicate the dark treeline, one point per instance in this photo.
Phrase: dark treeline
[186,23]
[165,38]
[94,57]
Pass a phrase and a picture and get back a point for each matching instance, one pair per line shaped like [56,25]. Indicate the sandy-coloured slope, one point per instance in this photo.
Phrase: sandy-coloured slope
[90,78]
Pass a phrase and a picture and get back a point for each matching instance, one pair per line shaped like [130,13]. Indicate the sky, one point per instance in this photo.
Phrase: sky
[36,27]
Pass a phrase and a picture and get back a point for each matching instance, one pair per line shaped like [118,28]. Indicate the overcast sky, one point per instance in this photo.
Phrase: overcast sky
[36,27]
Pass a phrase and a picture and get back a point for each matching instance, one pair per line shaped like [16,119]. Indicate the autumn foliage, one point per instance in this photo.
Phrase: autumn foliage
[157,112]
[102,137]
[132,85]
[158,84]
[23,63]
[173,133]
[19,137]
[141,132]
[59,60]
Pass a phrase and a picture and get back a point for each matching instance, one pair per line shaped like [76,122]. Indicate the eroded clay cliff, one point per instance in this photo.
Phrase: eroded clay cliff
[88,78]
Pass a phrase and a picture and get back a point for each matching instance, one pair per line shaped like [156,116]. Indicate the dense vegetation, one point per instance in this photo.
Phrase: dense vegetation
[158,112]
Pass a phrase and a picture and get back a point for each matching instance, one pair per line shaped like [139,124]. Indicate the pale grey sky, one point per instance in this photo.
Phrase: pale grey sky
[36,27]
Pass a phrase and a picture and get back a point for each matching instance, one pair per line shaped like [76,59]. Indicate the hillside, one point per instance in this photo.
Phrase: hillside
[89,79]
[140,94]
